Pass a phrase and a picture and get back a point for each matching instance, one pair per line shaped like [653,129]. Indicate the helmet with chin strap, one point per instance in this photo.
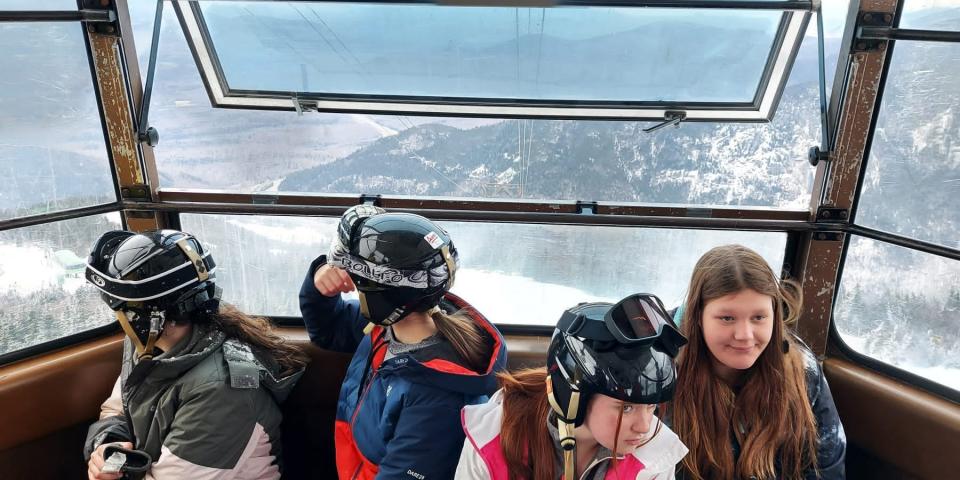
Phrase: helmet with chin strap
[400,262]
[625,351]
[148,278]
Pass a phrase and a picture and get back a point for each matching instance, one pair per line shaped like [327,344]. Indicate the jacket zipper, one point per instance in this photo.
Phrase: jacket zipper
[361,396]
[353,421]
[593,464]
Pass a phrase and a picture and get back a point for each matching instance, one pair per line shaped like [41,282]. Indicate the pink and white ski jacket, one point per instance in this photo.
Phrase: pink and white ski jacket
[483,459]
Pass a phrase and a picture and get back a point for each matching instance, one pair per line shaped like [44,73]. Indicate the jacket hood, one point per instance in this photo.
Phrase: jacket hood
[246,367]
[441,367]
[249,367]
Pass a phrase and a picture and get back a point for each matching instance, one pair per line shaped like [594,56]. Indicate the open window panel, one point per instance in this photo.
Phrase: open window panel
[707,60]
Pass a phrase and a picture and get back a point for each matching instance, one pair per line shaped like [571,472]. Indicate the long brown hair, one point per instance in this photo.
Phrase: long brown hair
[465,336]
[258,333]
[526,443]
[770,417]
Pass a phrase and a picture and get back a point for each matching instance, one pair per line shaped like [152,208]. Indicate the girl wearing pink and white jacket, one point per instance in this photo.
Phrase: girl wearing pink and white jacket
[589,414]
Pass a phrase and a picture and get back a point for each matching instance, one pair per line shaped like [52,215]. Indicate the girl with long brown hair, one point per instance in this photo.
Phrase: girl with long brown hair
[420,353]
[590,413]
[752,402]
[201,383]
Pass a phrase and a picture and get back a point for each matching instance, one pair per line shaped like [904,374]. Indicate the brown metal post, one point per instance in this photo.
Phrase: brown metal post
[134,180]
[134,81]
[838,179]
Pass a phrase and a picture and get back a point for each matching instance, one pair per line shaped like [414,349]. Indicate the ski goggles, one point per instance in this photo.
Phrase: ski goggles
[639,319]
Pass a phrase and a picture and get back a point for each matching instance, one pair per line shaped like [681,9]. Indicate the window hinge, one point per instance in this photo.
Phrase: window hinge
[866,38]
[137,192]
[99,17]
[586,208]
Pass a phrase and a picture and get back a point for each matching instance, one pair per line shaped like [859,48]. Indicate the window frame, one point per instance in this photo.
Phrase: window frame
[81,18]
[837,344]
[850,227]
[786,44]
[77,337]
[59,343]
[877,234]
[794,231]
[799,225]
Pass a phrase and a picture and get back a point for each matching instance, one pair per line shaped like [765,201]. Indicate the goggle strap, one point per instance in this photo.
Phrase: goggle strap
[578,325]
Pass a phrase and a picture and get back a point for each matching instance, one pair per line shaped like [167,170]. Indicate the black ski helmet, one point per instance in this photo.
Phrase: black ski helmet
[152,276]
[586,357]
[400,262]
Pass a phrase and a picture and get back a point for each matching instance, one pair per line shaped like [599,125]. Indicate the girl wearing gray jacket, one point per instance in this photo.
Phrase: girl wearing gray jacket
[199,392]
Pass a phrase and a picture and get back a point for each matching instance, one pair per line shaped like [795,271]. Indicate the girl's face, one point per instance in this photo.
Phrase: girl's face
[736,328]
[601,421]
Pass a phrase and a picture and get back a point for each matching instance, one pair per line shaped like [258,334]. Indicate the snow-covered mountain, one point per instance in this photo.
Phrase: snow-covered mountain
[698,163]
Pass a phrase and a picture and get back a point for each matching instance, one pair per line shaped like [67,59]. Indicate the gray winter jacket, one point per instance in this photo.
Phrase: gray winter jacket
[207,409]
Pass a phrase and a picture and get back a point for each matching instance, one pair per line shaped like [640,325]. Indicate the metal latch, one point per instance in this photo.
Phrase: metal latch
[303,105]
[670,117]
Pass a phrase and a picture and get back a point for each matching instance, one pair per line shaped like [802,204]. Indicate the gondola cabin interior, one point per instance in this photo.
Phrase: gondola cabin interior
[576,151]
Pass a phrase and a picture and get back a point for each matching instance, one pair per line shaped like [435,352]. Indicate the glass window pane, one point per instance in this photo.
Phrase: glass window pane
[913,176]
[834,22]
[547,268]
[43,295]
[52,151]
[698,163]
[586,54]
[930,15]
[901,307]
[38,5]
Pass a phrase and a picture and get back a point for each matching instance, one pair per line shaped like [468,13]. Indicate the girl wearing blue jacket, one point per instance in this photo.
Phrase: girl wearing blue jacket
[420,353]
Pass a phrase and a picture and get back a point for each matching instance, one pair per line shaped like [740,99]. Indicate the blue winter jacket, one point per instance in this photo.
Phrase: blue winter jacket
[397,418]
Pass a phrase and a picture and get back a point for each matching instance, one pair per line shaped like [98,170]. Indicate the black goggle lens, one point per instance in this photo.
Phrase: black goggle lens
[638,317]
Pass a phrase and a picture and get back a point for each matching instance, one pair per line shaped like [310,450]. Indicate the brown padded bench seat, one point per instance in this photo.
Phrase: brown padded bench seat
[59,394]
[309,412]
